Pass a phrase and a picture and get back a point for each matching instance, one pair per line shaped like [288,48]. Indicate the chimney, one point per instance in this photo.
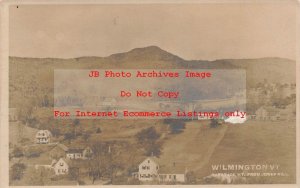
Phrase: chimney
[186,170]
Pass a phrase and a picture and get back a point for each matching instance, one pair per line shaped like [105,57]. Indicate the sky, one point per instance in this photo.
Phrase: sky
[191,31]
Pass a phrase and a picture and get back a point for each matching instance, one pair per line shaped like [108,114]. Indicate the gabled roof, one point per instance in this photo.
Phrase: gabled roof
[270,109]
[78,163]
[172,168]
[176,168]
[78,149]
[13,110]
[153,159]
[43,133]
[109,99]
[61,146]
[60,160]
[75,150]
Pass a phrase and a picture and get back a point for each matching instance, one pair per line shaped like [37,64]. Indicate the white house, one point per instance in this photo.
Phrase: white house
[13,114]
[43,137]
[109,101]
[87,153]
[173,173]
[61,167]
[78,153]
[267,113]
[203,117]
[172,177]
[149,170]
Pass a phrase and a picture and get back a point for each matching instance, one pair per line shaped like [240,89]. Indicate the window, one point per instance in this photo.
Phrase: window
[174,177]
[170,176]
[156,167]
[148,167]
[148,161]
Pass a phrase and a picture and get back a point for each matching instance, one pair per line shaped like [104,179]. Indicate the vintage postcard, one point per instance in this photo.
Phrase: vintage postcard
[149,93]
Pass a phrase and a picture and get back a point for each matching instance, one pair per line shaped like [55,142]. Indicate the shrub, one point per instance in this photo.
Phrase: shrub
[32,154]
[98,130]
[176,126]
[153,149]
[147,135]
[17,152]
[17,171]
[191,178]
[214,123]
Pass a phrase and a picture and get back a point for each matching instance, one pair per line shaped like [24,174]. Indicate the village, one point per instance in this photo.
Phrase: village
[56,161]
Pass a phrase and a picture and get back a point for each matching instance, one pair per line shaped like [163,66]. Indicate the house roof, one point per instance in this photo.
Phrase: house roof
[176,168]
[154,159]
[78,163]
[79,149]
[75,150]
[171,168]
[43,133]
[62,146]
[270,109]
[109,99]
[59,160]
[13,110]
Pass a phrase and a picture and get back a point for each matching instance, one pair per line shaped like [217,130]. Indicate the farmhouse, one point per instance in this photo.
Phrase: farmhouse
[61,167]
[149,170]
[64,166]
[172,175]
[43,137]
[13,114]
[203,117]
[109,101]
[289,113]
[79,153]
[46,166]
[267,113]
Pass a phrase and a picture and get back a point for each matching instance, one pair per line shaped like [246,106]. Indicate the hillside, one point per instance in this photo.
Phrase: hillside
[33,77]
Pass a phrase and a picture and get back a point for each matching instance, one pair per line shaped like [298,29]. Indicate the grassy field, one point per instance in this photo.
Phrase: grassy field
[199,147]
[194,146]
[257,143]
